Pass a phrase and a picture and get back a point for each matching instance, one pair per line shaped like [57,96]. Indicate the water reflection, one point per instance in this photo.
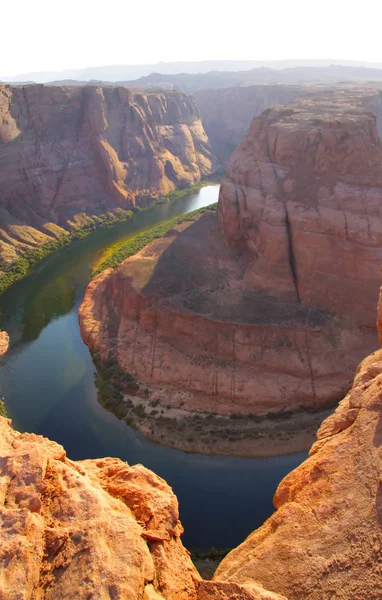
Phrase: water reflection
[47,379]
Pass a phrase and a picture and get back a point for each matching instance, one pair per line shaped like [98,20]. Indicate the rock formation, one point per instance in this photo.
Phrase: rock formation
[303,195]
[93,529]
[274,310]
[227,113]
[179,318]
[4,342]
[325,541]
[71,154]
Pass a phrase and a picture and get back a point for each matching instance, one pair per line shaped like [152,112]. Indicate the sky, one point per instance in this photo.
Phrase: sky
[43,35]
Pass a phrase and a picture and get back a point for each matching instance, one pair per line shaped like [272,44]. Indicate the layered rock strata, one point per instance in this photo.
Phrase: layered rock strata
[179,317]
[71,154]
[303,196]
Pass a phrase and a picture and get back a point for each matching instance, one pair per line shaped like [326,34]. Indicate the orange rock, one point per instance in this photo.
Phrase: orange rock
[92,529]
[325,539]
[4,342]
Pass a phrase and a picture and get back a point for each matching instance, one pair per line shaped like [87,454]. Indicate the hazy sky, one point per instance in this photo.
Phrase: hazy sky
[41,35]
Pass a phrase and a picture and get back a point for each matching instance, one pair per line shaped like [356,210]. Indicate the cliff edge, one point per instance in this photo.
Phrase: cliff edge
[95,529]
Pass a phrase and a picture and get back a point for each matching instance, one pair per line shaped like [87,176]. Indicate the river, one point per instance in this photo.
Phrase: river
[47,379]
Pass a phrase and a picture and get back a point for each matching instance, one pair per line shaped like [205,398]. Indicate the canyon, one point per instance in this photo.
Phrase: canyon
[256,313]
[70,156]
[267,305]
[103,529]
[227,113]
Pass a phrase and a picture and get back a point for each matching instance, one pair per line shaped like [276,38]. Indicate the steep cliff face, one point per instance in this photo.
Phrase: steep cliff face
[303,195]
[93,529]
[67,154]
[227,113]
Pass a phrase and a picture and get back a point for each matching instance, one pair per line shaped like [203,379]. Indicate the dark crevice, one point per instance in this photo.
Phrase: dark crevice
[292,258]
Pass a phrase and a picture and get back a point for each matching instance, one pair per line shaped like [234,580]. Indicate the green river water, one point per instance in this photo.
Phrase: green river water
[47,379]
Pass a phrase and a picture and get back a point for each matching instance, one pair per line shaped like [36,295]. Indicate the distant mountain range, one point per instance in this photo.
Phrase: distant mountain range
[222,79]
[123,73]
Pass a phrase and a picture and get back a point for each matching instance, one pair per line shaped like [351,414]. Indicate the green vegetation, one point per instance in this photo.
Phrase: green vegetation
[3,410]
[176,194]
[24,265]
[110,381]
[141,240]
[207,562]
[28,261]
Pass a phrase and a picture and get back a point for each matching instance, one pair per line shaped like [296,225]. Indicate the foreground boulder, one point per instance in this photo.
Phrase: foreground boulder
[96,529]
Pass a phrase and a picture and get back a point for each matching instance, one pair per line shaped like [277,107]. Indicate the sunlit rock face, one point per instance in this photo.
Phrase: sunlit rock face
[71,154]
[93,529]
[324,540]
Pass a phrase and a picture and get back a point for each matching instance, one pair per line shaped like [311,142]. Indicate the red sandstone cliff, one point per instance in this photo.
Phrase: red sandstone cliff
[303,194]
[274,311]
[70,154]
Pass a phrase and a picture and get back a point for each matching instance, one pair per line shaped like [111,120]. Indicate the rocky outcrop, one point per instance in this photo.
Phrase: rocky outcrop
[4,342]
[227,113]
[93,529]
[69,155]
[325,540]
